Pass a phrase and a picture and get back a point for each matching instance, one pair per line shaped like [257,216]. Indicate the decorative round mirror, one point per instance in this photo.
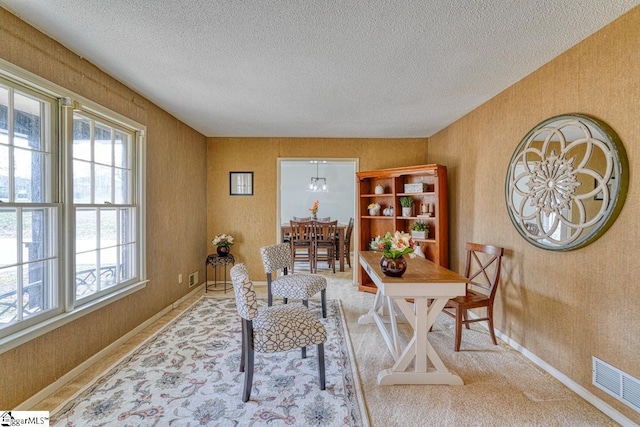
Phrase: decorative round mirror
[567,182]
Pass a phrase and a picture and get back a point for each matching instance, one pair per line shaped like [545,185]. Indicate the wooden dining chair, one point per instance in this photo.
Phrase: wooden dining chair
[302,244]
[346,250]
[273,329]
[287,237]
[325,243]
[482,268]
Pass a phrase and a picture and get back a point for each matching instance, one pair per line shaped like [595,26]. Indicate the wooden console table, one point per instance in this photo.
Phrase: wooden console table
[424,280]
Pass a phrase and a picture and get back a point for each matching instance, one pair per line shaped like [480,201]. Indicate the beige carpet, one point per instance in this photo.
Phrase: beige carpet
[502,388]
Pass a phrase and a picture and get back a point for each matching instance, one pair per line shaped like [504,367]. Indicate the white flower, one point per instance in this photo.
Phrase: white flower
[222,240]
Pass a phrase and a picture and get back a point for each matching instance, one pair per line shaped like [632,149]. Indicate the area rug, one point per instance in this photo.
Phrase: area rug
[187,375]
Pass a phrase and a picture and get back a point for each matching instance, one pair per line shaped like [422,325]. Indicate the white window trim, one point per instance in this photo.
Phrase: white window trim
[70,99]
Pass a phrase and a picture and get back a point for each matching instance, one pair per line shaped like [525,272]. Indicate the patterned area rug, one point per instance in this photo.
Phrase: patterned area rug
[187,375]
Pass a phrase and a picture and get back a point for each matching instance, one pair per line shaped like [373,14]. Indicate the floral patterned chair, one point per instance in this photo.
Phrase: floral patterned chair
[273,329]
[297,286]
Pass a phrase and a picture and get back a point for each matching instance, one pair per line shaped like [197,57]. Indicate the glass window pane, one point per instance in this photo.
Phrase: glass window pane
[29,172]
[27,122]
[127,269]
[81,138]
[123,194]
[86,230]
[4,115]
[108,259]
[86,274]
[81,182]
[35,298]
[4,172]
[35,235]
[103,183]
[8,237]
[127,229]
[121,150]
[8,297]
[103,147]
[108,228]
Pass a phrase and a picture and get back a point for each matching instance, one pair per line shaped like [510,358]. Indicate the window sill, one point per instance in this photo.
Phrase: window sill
[15,340]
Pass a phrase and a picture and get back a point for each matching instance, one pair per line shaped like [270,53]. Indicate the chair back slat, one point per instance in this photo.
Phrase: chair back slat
[326,232]
[246,300]
[276,257]
[483,267]
[348,231]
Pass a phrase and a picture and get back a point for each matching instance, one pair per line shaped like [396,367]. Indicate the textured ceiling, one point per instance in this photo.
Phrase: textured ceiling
[318,68]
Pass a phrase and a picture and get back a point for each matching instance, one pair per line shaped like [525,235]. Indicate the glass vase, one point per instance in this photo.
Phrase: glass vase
[393,267]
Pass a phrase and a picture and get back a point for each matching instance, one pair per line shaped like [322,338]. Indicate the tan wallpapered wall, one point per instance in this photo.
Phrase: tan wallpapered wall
[563,307]
[252,220]
[176,214]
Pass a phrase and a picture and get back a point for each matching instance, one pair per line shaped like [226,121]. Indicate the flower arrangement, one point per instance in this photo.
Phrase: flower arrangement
[314,208]
[394,245]
[375,206]
[223,240]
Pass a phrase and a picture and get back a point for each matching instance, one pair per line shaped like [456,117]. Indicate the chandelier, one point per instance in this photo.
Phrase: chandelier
[317,184]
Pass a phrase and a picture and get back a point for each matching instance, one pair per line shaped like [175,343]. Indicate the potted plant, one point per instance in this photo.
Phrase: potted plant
[223,243]
[419,230]
[407,205]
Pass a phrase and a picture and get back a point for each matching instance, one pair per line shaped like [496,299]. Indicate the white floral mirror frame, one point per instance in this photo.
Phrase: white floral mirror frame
[567,182]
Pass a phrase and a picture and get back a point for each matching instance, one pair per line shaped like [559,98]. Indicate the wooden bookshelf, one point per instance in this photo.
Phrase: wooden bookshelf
[432,180]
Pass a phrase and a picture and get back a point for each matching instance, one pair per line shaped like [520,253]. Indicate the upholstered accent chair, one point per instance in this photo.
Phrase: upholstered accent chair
[273,329]
[278,259]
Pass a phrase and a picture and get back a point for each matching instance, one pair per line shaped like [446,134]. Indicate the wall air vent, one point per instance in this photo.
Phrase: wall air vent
[619,384]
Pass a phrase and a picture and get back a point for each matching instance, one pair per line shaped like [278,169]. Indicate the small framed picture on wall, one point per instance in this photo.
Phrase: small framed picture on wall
[241,183]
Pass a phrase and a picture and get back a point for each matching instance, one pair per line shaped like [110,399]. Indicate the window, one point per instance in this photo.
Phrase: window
[29,262]
[71,206]
[104,209]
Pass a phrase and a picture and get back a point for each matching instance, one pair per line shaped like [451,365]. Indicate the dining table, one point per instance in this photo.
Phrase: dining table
[285,229]
[417,298]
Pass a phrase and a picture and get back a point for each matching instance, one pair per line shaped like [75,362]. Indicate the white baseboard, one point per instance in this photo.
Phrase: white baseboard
[603,406]
[32,402]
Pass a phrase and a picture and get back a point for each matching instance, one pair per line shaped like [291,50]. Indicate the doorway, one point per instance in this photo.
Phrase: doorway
[296,198]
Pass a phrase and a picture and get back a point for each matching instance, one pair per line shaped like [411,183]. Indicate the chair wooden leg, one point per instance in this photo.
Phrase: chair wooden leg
[305,302]
[333,262]
[269,295]
[491,331]
[244,343]
[285,300]
[323,300]
[304,352]
[458,328]
[249,359]
[313,261]
[465,318]
[321,366]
